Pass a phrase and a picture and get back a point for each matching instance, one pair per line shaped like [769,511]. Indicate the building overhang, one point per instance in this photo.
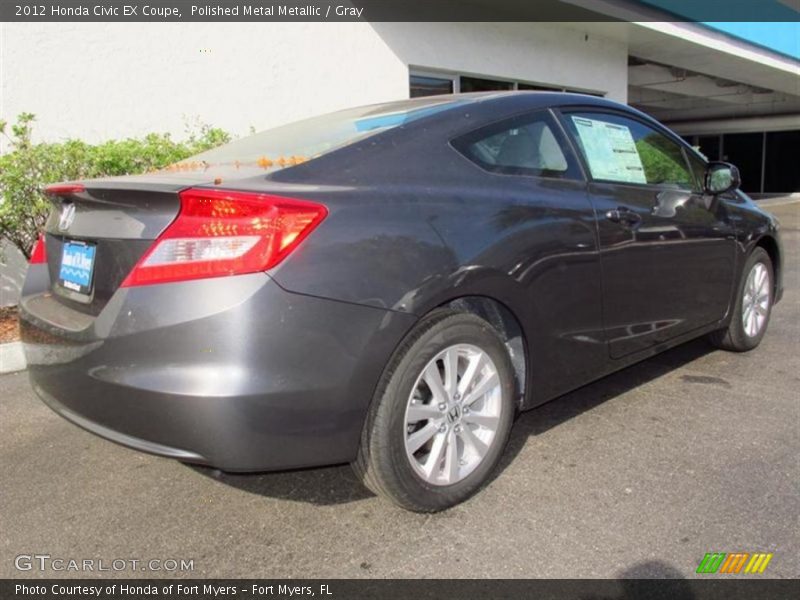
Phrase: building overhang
[681,70]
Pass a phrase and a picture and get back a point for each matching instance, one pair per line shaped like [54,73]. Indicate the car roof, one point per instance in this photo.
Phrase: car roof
[537,98]
[520,100]
[511,102]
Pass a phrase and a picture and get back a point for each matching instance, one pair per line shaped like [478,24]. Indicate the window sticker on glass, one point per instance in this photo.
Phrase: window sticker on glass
[610,151]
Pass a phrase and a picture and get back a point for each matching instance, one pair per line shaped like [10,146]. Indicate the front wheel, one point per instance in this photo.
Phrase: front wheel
[753,306]
[441,416]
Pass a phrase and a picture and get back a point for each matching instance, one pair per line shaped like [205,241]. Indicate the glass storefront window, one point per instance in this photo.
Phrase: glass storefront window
[475,84]
[780,169]
[422,85]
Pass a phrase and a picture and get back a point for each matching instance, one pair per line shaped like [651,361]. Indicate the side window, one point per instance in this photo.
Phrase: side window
[626,151]
[528,145]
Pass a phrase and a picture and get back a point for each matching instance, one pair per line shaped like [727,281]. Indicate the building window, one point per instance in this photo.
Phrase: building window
[709,145]
[765,159]
[595,94]
[745,151]
[423,85]
[476,84]
[781,172]
[546,88]
[433,83]
[538,88]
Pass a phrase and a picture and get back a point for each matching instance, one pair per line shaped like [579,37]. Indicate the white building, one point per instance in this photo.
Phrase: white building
[97,81]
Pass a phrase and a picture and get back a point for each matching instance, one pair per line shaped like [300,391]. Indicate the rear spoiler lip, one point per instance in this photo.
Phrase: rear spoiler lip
[64,189]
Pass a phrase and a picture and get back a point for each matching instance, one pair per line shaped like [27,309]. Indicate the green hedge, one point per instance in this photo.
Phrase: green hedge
[27,168]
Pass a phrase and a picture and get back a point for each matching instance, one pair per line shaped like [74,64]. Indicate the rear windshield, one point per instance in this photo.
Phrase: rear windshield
[310,138]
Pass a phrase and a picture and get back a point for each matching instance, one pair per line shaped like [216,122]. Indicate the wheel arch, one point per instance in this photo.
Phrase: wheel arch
[771,247]
[503,319]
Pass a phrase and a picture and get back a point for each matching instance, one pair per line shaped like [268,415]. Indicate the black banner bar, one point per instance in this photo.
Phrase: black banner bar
[731,588]
[400,10]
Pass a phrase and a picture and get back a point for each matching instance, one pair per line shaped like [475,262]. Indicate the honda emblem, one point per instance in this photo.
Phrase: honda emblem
[67,216]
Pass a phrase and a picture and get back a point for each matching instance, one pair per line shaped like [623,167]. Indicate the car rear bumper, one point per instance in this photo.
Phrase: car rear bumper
[235,372]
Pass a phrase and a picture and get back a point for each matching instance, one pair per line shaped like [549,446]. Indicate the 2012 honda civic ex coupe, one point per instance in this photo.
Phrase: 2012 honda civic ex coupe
[388,285]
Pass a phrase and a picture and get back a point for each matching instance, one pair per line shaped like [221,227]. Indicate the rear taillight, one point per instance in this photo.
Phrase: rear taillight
[39,254]
[219,232]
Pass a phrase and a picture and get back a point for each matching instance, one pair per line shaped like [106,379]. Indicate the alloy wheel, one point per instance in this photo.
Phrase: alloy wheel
[755,301]
[453,414]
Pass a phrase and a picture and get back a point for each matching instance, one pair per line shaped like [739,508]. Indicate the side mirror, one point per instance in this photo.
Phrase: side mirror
[721,177]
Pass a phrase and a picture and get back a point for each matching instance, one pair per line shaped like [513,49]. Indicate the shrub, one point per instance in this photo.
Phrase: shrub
[27,168]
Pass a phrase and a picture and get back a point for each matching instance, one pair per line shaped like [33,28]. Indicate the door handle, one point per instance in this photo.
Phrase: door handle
[624,216]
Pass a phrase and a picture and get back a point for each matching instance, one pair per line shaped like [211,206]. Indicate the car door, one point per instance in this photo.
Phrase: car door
[667,251]
[530,219]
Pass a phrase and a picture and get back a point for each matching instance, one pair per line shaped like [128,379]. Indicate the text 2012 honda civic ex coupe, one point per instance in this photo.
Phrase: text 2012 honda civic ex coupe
[388,285]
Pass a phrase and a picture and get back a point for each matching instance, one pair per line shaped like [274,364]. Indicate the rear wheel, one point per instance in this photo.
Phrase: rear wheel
[441,416]
[753,306]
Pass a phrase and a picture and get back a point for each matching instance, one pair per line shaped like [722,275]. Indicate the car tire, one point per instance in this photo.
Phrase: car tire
[753,306]
[451,465]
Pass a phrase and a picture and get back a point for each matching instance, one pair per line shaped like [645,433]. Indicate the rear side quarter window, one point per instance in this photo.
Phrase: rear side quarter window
[529,145]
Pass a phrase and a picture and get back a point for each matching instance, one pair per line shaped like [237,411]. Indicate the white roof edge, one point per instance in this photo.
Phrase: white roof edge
[658,20]
[722,42]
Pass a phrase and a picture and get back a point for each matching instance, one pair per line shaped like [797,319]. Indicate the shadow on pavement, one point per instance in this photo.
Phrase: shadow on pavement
[636,583]
[338,485]
[554,413]
[322,486]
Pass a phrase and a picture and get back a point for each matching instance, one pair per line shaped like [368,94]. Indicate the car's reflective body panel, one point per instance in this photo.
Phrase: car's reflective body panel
[206,381]
[277,370]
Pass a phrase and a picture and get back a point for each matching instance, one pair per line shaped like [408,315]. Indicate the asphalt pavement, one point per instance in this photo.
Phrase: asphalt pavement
[638,475]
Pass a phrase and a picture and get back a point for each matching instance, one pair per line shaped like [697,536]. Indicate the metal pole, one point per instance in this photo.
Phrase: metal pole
[763,159]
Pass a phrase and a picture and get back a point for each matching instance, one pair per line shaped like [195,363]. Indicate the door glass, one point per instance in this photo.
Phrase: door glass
[623,150]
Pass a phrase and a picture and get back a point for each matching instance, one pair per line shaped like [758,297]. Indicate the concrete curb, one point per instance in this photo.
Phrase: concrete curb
[11,357]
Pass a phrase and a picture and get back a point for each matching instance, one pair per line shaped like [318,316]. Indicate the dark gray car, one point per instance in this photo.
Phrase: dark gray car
[388,285]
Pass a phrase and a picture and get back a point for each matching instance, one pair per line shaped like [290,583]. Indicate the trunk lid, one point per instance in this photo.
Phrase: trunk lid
[105,229]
